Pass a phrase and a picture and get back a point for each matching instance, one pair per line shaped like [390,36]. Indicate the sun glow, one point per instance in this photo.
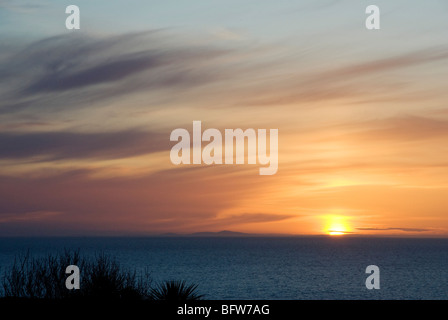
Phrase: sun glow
[336,233]
[336,225]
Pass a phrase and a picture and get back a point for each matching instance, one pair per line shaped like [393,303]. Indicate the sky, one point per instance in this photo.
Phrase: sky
[86,117]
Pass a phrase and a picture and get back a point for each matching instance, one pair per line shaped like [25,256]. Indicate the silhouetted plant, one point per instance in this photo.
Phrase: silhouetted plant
[105,279]
[30,277]
[175,291]
[101,278]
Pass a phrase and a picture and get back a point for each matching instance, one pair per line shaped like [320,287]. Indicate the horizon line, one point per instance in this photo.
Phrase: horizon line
[229,234]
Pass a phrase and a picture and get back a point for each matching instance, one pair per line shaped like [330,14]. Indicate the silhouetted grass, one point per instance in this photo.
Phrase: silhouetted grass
[175,291]
[44,278]
[101,278]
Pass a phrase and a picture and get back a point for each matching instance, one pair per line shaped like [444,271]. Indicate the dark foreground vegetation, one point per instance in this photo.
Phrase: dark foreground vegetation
[101,279]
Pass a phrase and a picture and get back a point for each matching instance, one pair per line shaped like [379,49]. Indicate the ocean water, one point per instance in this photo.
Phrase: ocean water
[271,268]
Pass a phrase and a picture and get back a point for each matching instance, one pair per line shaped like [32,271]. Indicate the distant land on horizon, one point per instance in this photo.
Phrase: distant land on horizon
[230,234]
[223,233]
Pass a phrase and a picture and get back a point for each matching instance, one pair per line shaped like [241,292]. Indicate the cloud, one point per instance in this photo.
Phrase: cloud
[388,64]
[159,63]
[128,204]
[235,220]
[71,145]
[407,128]
[62,75]
[357,80]
[395,129]
[252,218]
[394,229]
[27,216]
[22,6]
[121,68]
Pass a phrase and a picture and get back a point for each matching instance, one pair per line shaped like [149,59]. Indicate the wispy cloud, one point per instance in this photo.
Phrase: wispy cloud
[404,128]
[103,68]
[354,81]
[394,229]
[388,64]
[27,216]
[71,145]
[22,6]
[98,68]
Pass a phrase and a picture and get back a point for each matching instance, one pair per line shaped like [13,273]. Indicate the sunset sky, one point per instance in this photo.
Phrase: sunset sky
[86,116]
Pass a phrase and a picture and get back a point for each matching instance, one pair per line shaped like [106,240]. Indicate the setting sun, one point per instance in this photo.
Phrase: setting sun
[336,225]
[336,233]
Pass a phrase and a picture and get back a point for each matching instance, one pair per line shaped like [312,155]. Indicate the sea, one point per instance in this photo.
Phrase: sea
[269,268]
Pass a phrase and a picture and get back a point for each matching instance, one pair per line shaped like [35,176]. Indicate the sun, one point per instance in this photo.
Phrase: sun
[336,225]
[336,233]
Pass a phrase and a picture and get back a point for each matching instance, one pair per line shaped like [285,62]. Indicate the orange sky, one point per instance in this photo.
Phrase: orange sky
[362,120]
